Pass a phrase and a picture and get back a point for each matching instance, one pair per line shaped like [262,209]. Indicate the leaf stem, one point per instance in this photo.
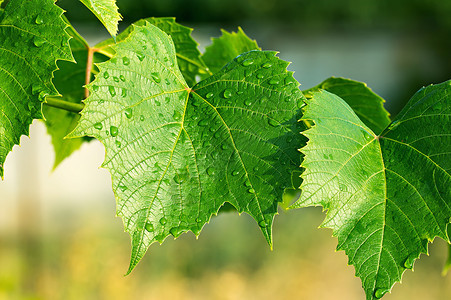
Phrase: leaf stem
[88,69]
[65,105]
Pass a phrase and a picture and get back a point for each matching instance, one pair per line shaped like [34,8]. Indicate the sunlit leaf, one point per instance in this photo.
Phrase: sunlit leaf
[387,196]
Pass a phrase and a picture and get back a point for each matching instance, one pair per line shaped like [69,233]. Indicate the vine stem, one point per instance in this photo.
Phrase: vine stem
[89,69]
[62,104]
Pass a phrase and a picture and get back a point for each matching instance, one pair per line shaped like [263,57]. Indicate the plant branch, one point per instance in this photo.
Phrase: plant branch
[65,105]
[89,69]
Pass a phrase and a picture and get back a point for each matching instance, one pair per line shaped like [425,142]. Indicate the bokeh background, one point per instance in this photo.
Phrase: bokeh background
[59,238]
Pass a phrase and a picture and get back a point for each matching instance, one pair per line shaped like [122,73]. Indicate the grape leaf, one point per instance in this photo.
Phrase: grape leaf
[32,39]
[368,106]
[188,55]
[176,154]
[386,195]
[69,81]
[107,13]
[227,47]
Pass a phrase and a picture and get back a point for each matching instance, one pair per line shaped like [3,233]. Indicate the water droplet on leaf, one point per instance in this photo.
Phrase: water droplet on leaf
[149,227]
[227,93]
[106,75]
[274,81]
[95,88]
[163,221]
[140,56]
[116,79]
[141,118]
[247,62]
[234,173]
[118,144]
[126,60]
[260,76]
[124,93]
[247,102]
[38,41]
[122,77]
[379,293]
[114,131]
[112,91]
[209,95]
[211,171]
[177,115]
[39,20]
[267,65]
[251,191]
[203,122]
[262,224]
[98,126]
[128,113]
[156,77]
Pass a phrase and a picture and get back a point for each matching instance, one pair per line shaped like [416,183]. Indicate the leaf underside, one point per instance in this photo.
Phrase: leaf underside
[386,195]
[188,56]
[227,47]
[107,13]
[32,39]
[176,154]
[368,106]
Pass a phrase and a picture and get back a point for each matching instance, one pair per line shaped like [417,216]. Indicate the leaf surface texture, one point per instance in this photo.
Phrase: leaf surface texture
[387,196]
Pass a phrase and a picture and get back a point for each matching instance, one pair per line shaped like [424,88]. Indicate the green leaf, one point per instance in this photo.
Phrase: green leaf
[176,154]
[69,80]
[32,38]
[188,55]
[227,47]
[107,13]
[368,106]
[386,195]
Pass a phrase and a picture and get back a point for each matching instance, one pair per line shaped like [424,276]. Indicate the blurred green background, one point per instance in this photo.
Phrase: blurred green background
[59,238]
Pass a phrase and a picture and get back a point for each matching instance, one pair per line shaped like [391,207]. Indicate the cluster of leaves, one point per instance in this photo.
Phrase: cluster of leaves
[187,132]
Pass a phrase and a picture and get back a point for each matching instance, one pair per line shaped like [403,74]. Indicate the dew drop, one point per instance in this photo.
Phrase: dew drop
[260,76]
[234,173]
[198,220]
[408,263]
[118,144]
[38,41]
[262,224]
[247,102]
[123,188]
[106,75]
[224,147]
[163,221]
[239,92]
[141,118]
[126,60]
[157,103]
[116,79]
[112,91]
[267,65]
[247,62]
[140,56]
[98,126]
[177,179]
[274,81]
[251,191]
[124,93]
[114,131]
[379,293]
[174,231]
[247,183]
[149,227]
[209,95]
[128,113]
[156,77]
[177,115]
[273,122]
[39,20]
[95,88]
[122,77]
[256,169]
[167,81]
[211,171]
[227,94]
